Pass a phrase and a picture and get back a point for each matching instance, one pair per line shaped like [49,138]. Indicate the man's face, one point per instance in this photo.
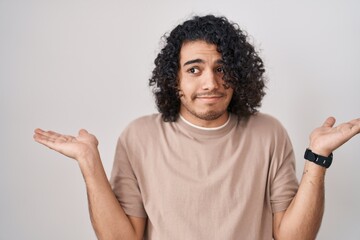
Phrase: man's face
[204,98]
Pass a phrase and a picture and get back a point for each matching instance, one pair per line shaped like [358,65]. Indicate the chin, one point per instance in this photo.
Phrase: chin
[210,115]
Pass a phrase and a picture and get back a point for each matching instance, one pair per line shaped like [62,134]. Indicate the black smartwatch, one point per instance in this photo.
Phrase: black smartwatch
[319,160]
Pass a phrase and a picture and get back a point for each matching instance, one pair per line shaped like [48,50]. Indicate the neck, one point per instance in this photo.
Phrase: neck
[205,128]
[203,123]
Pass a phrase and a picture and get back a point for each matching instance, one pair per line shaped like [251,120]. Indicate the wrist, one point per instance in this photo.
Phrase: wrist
[89,162]
[321,160]
[319,150]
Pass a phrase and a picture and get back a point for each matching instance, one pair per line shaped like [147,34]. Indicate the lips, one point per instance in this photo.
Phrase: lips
[210,95]
[209,98]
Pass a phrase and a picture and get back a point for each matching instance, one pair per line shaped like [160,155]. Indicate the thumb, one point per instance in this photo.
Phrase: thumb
[329,122]
[83,132]
[86,135]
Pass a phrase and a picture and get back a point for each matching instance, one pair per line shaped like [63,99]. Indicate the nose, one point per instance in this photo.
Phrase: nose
[210,81]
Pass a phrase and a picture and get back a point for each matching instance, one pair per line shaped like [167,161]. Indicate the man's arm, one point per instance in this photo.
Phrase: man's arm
[302,218]
[107,216]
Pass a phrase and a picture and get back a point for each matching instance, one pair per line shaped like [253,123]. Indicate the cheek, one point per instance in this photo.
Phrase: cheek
[187,87]
[229,93]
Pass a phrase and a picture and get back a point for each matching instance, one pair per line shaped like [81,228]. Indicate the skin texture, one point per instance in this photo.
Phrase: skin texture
[203,95]
[204,101]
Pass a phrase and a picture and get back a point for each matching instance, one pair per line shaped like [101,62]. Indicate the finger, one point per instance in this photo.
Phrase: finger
[48,142]
[38,130]
[83,132]
[356,128]
[355,121]
[352,126]
[54,134]
[44,136]
[329,122]
[49,135]
[355,125]
[40,134]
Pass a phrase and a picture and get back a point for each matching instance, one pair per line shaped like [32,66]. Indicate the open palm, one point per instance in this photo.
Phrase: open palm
[327,138]
[70,146]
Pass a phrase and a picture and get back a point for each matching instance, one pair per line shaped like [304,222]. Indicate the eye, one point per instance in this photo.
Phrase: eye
[220,70]
[193,70]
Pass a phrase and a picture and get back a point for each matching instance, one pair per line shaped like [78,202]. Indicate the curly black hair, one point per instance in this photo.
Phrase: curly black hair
[243,68]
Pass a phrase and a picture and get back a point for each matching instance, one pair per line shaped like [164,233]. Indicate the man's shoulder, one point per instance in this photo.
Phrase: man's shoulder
[151,119]
[144,129]
[264,118]
[264,122]
[144,125]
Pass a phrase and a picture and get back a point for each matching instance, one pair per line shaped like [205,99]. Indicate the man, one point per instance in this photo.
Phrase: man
[209,166]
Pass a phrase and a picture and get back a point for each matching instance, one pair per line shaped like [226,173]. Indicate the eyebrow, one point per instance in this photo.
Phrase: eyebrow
[198,60]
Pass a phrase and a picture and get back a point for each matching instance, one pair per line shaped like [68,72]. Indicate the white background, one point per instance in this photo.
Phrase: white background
[66,65]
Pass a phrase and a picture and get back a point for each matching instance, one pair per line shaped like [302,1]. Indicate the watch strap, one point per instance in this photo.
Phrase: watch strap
[318,159]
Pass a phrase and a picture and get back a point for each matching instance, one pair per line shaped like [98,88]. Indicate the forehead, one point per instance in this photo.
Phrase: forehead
[198,49]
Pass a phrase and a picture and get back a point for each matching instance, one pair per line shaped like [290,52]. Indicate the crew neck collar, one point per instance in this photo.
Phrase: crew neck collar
[205,128]
[197,132]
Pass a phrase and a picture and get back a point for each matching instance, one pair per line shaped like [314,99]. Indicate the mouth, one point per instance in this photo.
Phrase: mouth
[209,95]
[210,98]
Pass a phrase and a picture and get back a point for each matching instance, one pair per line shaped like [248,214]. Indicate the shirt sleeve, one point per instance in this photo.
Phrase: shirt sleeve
[283,181]
[124,182]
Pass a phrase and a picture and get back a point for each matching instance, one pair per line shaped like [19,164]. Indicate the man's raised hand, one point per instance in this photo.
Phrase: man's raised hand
[78,148]
[327,138]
